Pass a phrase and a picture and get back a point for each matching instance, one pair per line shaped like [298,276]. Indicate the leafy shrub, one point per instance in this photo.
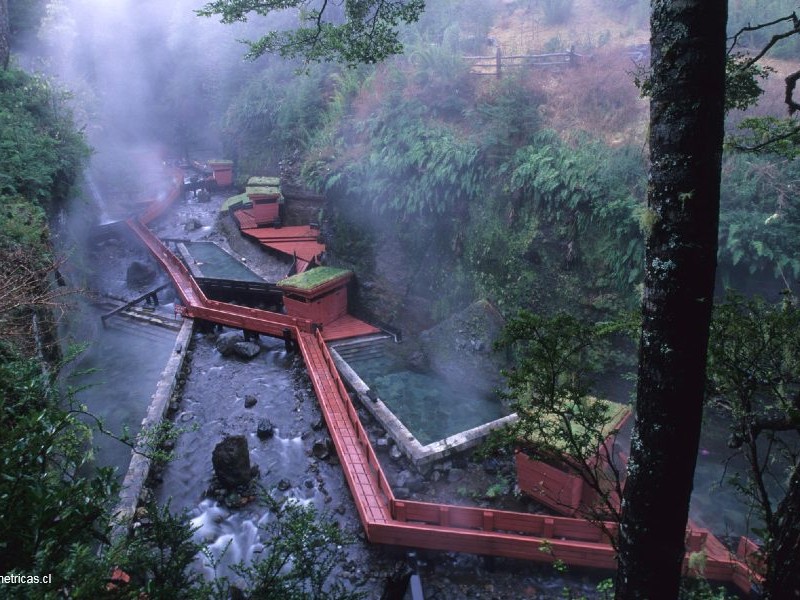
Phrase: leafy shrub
[42,151]
[274,115]
[417,168]
[759,217]
[49,508]
[591,193]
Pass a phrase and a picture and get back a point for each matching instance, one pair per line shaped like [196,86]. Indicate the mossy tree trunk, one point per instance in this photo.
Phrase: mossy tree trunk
[5,35]
[686,128]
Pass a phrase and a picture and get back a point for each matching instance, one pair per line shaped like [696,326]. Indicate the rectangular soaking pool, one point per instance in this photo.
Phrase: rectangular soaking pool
[210,260]
[427,416]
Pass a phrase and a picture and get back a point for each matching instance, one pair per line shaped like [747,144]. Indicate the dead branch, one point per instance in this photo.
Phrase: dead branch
[795,23]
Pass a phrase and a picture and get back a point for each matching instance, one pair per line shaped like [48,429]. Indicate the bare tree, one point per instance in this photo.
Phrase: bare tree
[29,304]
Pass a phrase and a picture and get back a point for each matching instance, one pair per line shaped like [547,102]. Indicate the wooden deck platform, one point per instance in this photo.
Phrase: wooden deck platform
[299,241]
[345,327]
[387,520]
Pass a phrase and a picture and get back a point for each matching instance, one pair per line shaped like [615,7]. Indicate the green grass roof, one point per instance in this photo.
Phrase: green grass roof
[313,278]
[262,189]
[220,161]
[264,181]
[615,414]
[233,200]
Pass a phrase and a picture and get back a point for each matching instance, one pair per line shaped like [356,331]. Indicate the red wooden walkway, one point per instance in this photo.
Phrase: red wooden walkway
[387,520]
[297,241]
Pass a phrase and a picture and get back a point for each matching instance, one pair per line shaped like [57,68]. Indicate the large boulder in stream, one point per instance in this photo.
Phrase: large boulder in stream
[139,274]
[231,460]
[246,350]
[227,341]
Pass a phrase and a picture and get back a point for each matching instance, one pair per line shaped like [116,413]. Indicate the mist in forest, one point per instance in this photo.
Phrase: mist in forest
[148,79]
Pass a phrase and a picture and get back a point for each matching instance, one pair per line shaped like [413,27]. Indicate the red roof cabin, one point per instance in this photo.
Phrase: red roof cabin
[319,294]
[558,485]
[223,172]
[265,195]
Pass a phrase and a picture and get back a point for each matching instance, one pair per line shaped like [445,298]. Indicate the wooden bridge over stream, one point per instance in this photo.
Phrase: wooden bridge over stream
[386,519]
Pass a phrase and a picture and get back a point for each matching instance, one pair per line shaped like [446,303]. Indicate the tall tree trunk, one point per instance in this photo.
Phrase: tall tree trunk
[5,35]
[686,129]
[782,580]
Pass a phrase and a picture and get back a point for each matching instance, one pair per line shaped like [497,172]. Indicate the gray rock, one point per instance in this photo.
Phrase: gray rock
[232,500]
[455,475]
[460,347]
[139,274]
[321,449]
[226,341]
[265,430]
[284,485]
[192,224]
[250,401]
[491,466]
[410,481]
[395,453]
[231,460]
[246,350]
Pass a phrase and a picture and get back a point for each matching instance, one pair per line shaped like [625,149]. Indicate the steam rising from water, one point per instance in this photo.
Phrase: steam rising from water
[148,79]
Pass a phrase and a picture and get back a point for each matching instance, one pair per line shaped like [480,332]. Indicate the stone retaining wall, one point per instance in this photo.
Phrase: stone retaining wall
[139,468]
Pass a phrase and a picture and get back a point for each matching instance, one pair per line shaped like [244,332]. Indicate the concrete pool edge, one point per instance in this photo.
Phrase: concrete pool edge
[421,455]
[139,467]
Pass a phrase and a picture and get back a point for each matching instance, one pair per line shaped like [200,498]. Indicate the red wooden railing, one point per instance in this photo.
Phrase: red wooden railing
[388,520]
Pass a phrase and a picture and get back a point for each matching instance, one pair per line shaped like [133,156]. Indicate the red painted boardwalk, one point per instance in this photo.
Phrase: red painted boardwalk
[296,241]
[387,520]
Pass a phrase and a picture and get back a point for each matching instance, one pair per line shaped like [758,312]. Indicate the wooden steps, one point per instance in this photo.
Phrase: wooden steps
[245,220]
[347,326]
[296,241]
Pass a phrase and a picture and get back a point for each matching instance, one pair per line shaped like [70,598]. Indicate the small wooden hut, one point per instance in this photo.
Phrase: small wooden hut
[223,172]
[319,294]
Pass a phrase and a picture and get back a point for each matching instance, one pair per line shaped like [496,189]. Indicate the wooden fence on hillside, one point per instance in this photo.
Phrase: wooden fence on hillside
[495,65]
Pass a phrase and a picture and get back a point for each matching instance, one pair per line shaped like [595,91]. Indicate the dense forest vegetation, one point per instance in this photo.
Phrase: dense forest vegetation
[516,183]
[526,190]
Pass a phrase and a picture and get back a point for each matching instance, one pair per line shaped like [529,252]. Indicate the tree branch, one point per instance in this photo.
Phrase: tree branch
[795,131]
[792,17]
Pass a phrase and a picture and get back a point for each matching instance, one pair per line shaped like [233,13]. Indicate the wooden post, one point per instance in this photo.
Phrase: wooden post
[547,530]
[287,340]
[498,58]
[576,494]
[444,516]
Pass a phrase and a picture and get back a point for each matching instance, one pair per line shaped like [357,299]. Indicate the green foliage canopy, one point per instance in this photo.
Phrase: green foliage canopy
[593,193]
[555,362]
[754,375]
[49,508]
[41,149]
[760,216]
[356,32]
